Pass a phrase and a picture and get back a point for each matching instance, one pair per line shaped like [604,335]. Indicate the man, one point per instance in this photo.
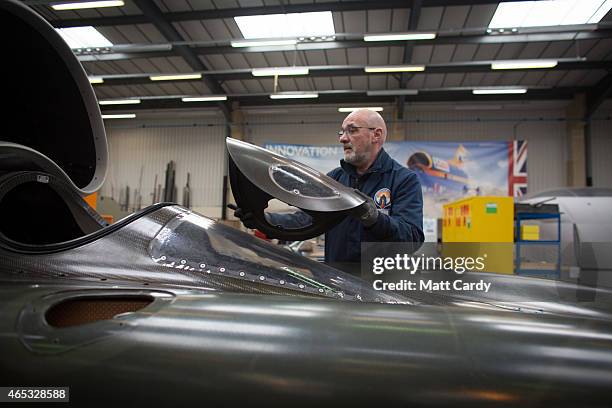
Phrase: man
[393,210]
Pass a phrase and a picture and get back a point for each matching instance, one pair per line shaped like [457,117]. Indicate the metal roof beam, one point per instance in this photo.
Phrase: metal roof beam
[252,11]
[154,14]
[354,98]
[124,52]
[353,70]
[413,23]
[597,95]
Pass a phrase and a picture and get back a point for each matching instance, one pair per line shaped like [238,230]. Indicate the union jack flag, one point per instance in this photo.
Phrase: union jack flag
[517,168]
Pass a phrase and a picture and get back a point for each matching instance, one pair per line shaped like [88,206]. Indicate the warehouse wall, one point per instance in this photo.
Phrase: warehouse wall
[601,135]
[545,129]
[196,146]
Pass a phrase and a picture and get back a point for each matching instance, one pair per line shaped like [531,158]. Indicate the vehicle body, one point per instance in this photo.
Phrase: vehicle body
[167,307]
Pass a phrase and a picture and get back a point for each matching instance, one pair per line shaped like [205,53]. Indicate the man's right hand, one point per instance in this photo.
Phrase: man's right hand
[246,218]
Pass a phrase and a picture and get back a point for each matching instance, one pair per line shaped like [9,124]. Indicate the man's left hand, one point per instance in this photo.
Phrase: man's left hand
[367,212]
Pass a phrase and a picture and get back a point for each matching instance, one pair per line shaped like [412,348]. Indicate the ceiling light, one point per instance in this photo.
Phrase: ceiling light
[549,13]
[96,80]
[286,25]
[372,108]
[262,43]
[83,37]
[120,116]
[280,71]
[87,5]
[294,95]
[386,92]
[119,102]
[174,77]
[205,98]
[498,91]
[399,36]
[395,68]
[524,64]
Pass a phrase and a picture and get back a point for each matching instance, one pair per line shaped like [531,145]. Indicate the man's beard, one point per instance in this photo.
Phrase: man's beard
[356,159]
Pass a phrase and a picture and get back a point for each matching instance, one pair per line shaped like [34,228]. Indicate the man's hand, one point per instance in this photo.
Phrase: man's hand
[367,212]
[246,218]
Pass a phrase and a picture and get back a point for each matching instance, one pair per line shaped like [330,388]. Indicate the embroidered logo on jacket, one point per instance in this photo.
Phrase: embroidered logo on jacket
[382,198]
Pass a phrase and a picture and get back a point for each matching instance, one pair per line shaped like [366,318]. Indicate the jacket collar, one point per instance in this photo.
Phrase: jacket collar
[382,164]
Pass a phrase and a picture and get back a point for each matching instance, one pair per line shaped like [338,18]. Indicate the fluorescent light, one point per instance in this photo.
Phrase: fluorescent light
[174,77]
[120,116]
[295,25]
[87,5]
[399,36]
[386,92]
[294,95]
[549,13]
[96,80]
[524,64]
[119,102]
[372,108]
[280,71]
[262,43]
[83,37]
[395,68]
[498,91]
[205,98]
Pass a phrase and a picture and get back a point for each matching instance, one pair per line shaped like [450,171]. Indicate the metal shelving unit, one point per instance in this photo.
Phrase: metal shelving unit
[525,216]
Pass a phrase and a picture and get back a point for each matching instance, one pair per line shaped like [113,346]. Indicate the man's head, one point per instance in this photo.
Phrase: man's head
[364,132]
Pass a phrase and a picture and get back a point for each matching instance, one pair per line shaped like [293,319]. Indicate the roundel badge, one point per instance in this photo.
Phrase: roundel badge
[382,198]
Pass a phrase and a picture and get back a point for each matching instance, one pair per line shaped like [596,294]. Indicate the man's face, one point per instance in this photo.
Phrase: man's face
[357,140]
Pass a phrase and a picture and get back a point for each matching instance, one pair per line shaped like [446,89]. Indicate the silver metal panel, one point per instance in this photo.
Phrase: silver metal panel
[421,54]
[532,50]
[379,21]
[602,50]
[354,21]
[377,56]
[602,149]
[480,15]
[442,54]
[430,18]
[591,78]
[334,57]
[486,52]
[399,20]
[465,52]
[454,17]
[192,30]
[217,29]
[510,51]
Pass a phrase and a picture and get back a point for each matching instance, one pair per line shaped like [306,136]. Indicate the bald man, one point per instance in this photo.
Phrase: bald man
[393,210]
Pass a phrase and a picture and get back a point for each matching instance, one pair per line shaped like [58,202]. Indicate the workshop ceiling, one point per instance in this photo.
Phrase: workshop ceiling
[186,36]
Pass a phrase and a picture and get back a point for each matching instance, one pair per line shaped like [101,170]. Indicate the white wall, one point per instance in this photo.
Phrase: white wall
[196,143]
[199,150]
[601,136]
[544,128]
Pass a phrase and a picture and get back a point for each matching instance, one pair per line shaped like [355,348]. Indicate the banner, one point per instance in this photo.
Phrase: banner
[448,171]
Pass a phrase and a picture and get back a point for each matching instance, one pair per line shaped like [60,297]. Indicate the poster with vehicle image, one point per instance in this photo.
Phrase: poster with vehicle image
[448,171]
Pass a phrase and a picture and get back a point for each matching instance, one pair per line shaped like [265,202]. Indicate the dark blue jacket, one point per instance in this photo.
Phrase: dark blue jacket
[396,191]
[398,195]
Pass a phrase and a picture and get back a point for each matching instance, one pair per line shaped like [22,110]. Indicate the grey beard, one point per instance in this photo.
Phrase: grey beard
[357,159]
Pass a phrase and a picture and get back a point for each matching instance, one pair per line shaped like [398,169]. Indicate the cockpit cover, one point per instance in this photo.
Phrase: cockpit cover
[59,125]
[290,181]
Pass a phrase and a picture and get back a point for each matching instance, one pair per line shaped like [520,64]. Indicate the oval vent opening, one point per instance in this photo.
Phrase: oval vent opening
[82,310]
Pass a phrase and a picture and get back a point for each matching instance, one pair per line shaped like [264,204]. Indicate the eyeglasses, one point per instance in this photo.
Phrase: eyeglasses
[351,130]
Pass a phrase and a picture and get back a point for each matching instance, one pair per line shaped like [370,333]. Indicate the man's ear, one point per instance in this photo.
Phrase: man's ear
[377,135]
